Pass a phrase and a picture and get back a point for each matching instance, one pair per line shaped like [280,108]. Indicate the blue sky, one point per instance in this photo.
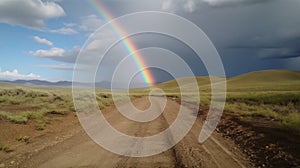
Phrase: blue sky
[19,41]
[40,39]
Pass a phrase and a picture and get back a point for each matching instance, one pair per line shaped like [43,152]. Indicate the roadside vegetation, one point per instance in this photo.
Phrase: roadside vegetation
[283,107]
[261,115]
[23,138]
[249,97]
[21,105]
[5,148]
[273,95]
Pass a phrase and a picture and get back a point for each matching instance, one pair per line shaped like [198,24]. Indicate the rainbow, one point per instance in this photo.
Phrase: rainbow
[127,43]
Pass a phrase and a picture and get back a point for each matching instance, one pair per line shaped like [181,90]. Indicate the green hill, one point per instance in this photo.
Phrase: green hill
[267,80]
[266,76]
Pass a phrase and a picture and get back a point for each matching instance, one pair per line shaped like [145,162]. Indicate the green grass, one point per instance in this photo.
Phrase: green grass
[38,116]
[252,110]
[283,106]
[23,138]
[292,121]
[40,124]
[104,100]
[254,98]
[22,104]
[272,94]
[266,76]
[5,148]
[18,119]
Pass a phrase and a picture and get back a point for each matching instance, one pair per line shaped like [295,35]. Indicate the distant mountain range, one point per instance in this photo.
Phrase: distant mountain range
[40,82]
[273,76]
[103,84]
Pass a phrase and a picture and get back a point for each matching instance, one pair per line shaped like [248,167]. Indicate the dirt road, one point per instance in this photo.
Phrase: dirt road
[80,151]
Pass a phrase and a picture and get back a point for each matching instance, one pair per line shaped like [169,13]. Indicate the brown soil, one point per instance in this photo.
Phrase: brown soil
[18,108]
[261,140]
[57,129]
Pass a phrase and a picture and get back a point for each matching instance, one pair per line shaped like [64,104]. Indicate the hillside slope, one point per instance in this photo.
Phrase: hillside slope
[266,76]
[267,80]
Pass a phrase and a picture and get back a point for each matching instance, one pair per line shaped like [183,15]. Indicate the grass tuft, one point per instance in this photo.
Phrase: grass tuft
[23,138]
[292,122]
[5,148]
[18,119]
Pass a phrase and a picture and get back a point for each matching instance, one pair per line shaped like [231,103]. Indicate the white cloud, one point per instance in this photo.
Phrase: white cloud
[15,75]
[29,13]
[42,41]
[167,5]
[90,23]
[64,30]
[58,67]
[86,23]
[231,2]
[180,5]
[190,6]
[220,2]
[48,53]
[58,54]
[70,24]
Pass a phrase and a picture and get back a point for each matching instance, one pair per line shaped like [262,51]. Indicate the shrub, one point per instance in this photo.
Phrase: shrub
[18,119]
[23,138]
[40,125]
[292,121]
[5,148]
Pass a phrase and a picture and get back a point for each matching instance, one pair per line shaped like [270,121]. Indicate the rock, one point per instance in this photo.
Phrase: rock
[12,162]
[2,165]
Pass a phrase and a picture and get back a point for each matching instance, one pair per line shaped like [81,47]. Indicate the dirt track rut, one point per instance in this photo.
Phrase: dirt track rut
[81,151]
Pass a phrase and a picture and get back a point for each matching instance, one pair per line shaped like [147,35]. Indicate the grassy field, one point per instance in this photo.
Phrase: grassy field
[38,106]
[273,94]
[262,113]
[21,104]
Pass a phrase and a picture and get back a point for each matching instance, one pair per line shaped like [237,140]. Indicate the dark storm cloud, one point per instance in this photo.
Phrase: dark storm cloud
[248,34]
[261,32]
[221,3]
[194,5]
[255,32]
[279,53]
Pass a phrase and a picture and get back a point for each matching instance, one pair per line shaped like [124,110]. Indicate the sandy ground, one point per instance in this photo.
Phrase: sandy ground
[76,149]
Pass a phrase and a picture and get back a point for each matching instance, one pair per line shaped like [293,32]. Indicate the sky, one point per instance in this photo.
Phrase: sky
[41,39]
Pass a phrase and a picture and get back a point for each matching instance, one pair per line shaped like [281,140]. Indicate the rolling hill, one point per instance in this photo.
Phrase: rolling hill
[266,76]
[267,80]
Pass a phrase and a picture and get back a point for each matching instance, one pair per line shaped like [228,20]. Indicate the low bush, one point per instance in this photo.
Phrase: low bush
[23,138]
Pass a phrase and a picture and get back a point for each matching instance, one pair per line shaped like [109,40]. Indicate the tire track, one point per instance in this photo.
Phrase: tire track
[187,153]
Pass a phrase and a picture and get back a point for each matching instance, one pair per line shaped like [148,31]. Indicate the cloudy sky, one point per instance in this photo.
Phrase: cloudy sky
[40,39]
